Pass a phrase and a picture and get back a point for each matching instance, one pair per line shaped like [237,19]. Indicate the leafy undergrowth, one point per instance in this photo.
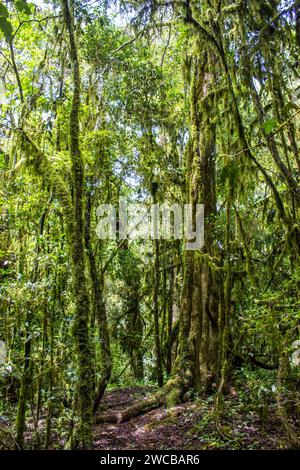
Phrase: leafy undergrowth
[191,425]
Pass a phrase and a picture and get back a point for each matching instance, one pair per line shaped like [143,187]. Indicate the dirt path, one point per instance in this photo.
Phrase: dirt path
[190,425]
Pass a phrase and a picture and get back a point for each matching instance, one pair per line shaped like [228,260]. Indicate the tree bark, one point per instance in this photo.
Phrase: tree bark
[83,436]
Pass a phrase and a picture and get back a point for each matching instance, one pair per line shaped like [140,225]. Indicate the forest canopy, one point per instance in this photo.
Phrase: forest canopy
[177,103]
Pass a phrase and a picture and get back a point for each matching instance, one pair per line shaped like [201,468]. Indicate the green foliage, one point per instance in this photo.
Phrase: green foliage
[23,7]
[5,22]
[5,25]
[159,104]
[270,126]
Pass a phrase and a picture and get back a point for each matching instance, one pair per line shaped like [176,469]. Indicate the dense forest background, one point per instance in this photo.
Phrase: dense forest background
[156,101]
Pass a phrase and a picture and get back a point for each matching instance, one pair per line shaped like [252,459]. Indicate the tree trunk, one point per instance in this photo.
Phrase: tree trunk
[83,436]
[99,313]
[159,371]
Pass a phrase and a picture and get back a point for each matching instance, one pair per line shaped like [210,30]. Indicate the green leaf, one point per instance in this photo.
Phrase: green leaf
[6,28]
[22,6]
[3,11]
[5,25]
[269,126]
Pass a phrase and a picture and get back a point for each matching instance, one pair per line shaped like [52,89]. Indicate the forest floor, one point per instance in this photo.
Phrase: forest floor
[192,425]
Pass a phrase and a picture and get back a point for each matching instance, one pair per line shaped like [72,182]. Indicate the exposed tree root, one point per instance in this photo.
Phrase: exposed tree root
[134,410]
[171,393]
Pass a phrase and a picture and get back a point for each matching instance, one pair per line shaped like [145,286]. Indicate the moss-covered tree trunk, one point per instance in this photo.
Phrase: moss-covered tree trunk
[99,311]
[158,355]
[198,347]
[83,437]
[25,384]
[132,337]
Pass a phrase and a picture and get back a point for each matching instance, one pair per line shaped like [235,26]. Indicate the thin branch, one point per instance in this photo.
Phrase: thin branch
[6,58]
[15,68]
[127,43]
[33,21]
